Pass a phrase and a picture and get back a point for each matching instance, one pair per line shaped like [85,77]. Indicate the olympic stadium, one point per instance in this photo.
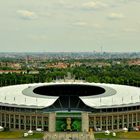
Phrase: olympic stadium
[69,106]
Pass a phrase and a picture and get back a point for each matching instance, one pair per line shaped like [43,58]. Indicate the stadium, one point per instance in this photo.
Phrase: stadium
[69,106]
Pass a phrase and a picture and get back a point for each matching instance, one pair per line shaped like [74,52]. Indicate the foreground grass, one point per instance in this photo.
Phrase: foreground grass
[128,135]
[11,134]
[19,134]
[36,135]
[102,135]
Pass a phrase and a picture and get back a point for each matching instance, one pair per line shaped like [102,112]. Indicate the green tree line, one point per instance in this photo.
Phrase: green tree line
[116,74]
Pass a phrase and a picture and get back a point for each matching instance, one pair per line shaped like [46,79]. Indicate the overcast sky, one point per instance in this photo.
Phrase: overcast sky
[69,25]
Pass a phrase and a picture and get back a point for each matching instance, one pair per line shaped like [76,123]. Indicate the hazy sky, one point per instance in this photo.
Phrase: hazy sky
[69,25]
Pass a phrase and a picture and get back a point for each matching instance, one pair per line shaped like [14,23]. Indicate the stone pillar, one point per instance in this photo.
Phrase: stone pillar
[101,122]
[123,121]
[0,119]
[14,121]
[42,122]
[4,120]
[94,122]
[106,122]
[19,119]
[36,122]
[112,123]
[30,122]
[52,121]
[132,120]
[85,122]
[24,122]
[136,119]
[9,121]
[127,120]
[118,122]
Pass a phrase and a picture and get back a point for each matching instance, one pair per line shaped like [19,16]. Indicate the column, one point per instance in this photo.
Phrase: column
[127,120]
[30,122]
[106,122]
[112,123]
[132,120]
[9,122]
[118,122]
[5,120]
[123,121]
[52,121]
[94,122]
[42,122]
[85,122]
[36,121]
[136,119]
[101,122]
[14,121]
[24,122]
[0,119]
[19,123]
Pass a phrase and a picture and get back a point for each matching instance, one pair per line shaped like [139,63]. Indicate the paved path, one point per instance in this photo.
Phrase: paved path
[68,136]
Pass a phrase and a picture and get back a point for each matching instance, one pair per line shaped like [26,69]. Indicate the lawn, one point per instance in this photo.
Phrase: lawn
[19,134]
[36,135]
[102,135]
[127,135]
[11,134]
[130,135]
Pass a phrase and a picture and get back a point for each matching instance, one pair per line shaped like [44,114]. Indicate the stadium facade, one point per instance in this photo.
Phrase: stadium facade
[69,106]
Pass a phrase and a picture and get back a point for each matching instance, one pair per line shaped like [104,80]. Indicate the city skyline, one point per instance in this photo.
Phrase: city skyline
[69,26]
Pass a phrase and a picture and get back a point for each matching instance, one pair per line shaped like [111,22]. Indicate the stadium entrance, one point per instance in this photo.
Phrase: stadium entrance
[68,121]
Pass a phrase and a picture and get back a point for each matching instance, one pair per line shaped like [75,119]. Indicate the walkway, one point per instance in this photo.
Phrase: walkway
[69,136]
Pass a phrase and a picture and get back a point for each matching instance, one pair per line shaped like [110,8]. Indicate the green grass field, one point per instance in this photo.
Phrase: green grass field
[19,134]
[127,135]
[36,135]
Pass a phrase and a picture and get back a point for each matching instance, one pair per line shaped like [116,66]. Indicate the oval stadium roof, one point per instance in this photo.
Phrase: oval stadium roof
[114,96]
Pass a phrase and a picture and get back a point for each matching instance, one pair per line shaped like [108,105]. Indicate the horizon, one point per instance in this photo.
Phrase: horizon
[70,51]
